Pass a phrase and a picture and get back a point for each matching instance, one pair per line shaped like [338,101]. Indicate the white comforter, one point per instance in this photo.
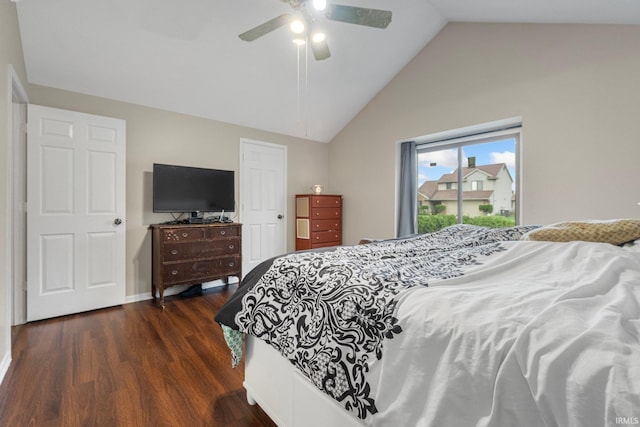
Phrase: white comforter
[544,334]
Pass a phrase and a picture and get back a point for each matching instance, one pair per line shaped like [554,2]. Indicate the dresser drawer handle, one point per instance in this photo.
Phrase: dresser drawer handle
[223,232]
[231,264]
[185,234]
[174,272]
[174,252]
[230,246]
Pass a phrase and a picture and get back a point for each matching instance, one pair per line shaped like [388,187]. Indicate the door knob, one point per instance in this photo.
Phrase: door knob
[280,216]
[117,221]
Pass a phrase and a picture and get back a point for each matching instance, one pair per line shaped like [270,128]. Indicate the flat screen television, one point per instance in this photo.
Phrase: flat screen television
[193,190]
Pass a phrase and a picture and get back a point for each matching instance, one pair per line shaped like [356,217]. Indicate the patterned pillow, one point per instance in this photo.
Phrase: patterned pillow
[616,232]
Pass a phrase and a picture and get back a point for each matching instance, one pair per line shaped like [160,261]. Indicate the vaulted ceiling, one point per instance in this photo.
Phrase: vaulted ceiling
[185,55]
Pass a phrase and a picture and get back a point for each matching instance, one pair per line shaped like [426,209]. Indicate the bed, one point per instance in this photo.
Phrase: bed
[466,326]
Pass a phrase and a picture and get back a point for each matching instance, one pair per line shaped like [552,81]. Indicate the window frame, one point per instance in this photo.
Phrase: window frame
[481,133]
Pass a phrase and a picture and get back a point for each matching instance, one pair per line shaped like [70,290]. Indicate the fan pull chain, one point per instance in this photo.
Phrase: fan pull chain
[301,96]
[306,87]
[298,86]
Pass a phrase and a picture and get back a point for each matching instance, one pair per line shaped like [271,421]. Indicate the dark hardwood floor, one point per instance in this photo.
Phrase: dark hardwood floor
[133,365]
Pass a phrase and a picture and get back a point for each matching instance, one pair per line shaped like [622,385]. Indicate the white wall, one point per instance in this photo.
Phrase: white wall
[575,86]
[10,54]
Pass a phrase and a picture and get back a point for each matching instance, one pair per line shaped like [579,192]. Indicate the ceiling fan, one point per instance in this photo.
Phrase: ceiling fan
[305,22]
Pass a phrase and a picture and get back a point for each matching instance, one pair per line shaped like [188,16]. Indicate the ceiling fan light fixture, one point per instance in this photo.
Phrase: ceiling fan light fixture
[318,37]
[303,15]
[320,5]
[297,26]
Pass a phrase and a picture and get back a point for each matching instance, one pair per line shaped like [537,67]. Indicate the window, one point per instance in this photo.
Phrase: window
[471,178]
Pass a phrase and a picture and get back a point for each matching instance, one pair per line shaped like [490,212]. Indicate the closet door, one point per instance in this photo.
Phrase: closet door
[75,212]
[263,201]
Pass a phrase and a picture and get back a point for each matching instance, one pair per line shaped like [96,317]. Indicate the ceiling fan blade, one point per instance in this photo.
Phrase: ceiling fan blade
[359,15]
[320,50]
[265,28]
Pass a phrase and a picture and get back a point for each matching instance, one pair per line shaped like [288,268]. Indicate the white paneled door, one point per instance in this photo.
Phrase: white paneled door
[75,212]
[263,201]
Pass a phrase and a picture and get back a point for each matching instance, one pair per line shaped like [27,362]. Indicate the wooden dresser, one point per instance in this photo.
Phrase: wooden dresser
[318,220]
[190,254]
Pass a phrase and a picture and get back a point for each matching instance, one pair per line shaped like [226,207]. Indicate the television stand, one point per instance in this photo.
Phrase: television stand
[191,254]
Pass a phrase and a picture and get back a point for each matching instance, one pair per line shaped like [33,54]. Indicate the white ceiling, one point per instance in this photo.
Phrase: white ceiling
[185,55]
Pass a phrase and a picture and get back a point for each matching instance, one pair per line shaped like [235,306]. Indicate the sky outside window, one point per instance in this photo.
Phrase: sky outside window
[432,165]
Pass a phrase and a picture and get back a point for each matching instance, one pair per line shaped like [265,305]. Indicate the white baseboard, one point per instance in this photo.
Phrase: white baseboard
[174,290]
[4,365]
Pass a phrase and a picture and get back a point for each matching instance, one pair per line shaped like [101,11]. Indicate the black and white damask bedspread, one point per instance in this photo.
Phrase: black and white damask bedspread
[330,312]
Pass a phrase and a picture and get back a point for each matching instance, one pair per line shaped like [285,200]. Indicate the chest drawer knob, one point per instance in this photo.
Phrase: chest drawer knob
[174,252]
[230,246]
[185,234]
[231,264]
[174,272]
[223,232]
